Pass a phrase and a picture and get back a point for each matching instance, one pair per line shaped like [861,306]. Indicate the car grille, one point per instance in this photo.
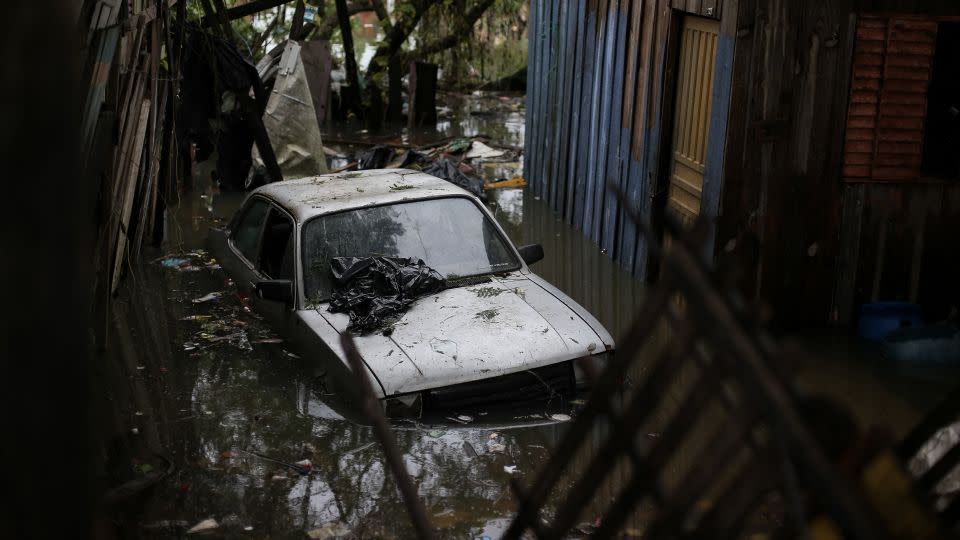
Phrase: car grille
[534,385]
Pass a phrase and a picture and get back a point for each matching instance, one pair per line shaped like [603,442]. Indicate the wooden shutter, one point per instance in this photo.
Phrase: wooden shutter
[893,62]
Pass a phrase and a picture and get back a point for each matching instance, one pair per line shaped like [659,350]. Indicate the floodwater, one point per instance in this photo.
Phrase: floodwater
[209,388]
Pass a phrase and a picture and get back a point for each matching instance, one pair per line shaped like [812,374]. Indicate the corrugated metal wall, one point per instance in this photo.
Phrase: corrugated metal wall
[596,77]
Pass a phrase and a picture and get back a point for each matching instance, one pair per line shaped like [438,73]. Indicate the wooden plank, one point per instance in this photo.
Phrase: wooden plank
[125,204]
[243,10]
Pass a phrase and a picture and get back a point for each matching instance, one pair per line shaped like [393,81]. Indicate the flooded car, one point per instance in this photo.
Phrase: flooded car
[498,333]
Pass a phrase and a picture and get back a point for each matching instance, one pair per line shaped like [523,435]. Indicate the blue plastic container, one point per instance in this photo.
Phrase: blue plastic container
[878,320]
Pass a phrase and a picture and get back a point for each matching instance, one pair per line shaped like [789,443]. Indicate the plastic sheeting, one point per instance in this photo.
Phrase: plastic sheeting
[448,170]
[291,120]
[372,290]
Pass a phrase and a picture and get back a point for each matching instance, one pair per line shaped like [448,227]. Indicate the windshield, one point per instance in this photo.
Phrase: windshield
[451,235]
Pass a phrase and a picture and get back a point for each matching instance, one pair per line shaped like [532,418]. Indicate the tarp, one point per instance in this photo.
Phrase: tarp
[291,120]
[371,290]
[448,170]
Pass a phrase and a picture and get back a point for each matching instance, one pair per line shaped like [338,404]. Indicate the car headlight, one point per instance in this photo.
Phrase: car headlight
[597,361]
[405,406]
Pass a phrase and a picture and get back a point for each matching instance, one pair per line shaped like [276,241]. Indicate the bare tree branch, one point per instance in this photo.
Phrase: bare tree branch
[382,14]
[262,38]
[460,33]
[325,28]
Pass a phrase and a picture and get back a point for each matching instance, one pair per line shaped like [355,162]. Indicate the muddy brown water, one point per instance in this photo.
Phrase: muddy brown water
[208,386]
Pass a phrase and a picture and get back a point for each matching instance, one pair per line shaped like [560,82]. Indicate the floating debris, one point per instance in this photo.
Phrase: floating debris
[331,530]
[560,417]
[510,469]
[208,297]
[205,526]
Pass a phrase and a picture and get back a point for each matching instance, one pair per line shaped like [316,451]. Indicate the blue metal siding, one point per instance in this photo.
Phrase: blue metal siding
[595,96]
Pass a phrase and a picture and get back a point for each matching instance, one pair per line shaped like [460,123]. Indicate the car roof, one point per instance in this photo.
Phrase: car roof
[317,195]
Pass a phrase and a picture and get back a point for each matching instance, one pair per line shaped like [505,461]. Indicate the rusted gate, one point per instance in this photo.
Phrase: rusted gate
[755,456]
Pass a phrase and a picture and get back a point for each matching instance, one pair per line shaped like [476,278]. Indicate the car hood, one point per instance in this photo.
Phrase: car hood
[464,334]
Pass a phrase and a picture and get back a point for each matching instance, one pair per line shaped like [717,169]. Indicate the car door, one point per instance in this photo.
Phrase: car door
[276,261]
[243,243]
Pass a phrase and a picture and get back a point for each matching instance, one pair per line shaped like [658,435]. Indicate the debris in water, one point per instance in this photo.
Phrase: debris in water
[496,447]
[167,524]
[174,262]
[560,417]
[510,469]
[189,346]
[196,317]
[331,530]
[482,151]
[448,170]
[495,444]
[204,526]
[469,450]
[208,297]
[305,466]
[375,158]
[515,182]
[267,340]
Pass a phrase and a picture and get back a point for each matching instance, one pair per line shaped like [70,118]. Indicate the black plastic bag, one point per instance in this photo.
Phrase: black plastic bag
[448,170]
[373,289]
[375,158]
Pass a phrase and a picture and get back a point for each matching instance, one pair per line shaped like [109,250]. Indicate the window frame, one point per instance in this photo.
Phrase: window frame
[846,165]
[520,266]
[294,235]
[231,238]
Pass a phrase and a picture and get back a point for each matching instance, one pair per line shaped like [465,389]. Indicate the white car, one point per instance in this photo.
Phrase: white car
[498,334]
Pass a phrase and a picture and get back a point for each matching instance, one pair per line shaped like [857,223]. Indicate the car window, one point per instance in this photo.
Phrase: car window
[276,256]
[452,235]
[246,236]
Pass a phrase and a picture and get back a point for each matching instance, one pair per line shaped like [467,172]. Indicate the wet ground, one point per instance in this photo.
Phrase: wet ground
[208,387]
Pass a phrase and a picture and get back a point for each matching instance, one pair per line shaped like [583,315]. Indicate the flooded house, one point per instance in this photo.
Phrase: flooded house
[817,140]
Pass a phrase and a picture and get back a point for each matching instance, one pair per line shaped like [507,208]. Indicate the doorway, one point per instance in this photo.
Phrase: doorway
[696,64]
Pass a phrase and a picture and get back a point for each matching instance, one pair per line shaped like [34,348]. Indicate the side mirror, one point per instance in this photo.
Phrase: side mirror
[531,254]
[276,290]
